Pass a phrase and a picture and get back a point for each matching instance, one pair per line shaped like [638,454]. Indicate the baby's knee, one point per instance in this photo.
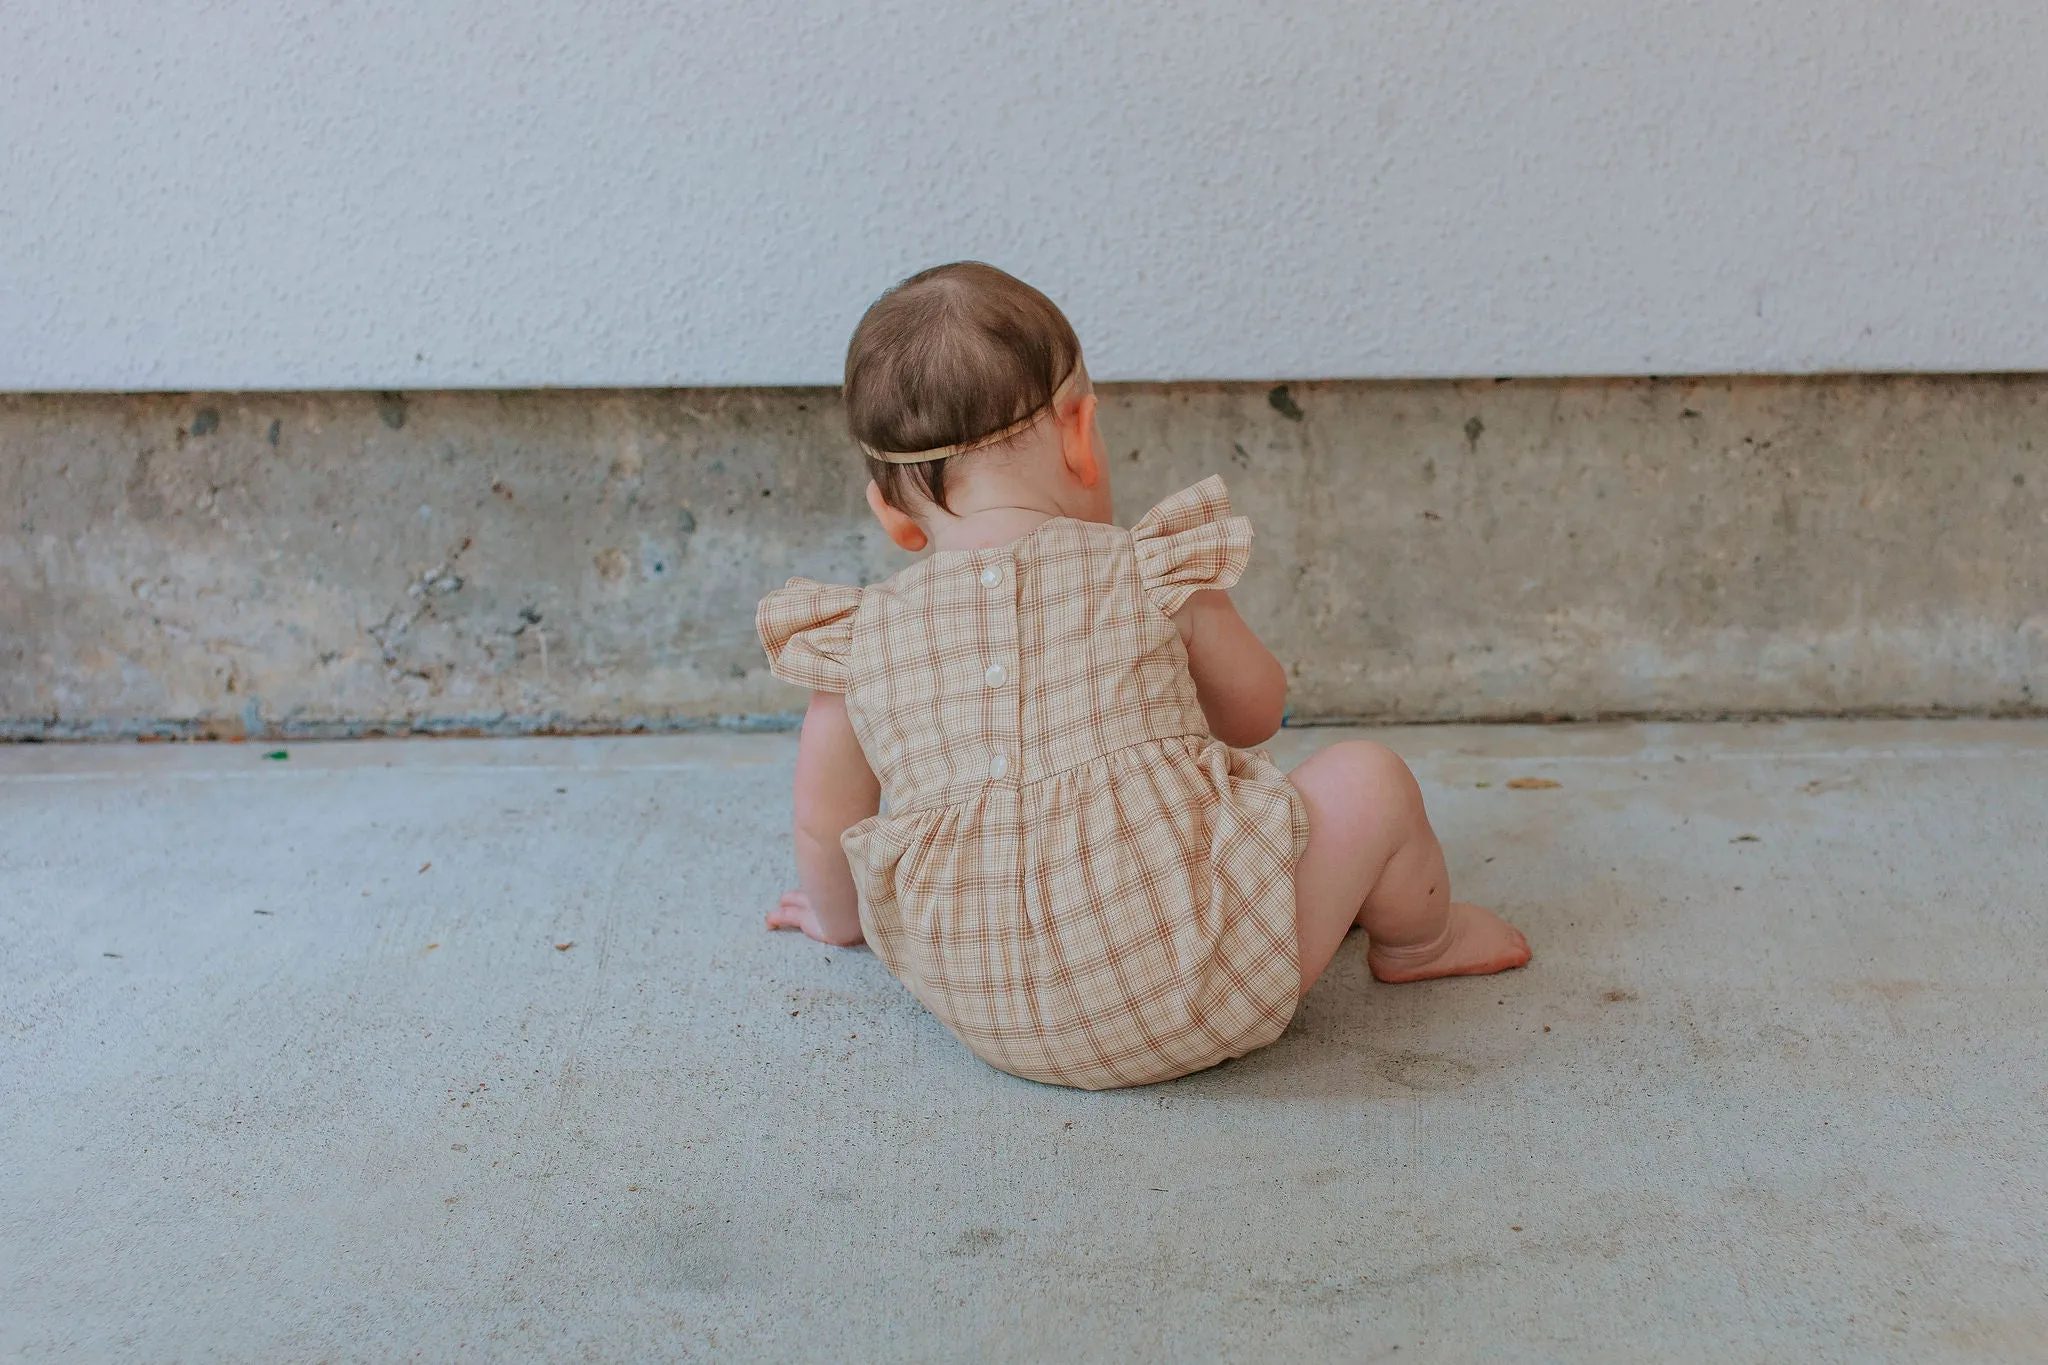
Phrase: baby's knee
[1381,774]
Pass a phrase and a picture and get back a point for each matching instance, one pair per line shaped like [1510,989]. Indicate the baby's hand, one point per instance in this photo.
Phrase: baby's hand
[796,912]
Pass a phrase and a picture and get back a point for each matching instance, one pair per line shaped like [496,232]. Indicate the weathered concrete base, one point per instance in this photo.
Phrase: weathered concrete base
[514,562]
[292,1069]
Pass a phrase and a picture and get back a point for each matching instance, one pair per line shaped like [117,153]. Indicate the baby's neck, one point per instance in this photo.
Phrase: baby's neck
[993,502]
[985,528]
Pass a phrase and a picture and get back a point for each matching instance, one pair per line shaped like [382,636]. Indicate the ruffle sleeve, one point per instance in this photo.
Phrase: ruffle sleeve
[1191,542]
[807,629]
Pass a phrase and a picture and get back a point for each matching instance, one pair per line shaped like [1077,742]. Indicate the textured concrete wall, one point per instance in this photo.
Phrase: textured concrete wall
[331,564]
[272,194]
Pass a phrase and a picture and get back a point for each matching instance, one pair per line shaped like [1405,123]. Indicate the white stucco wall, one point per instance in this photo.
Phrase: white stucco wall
[288,193]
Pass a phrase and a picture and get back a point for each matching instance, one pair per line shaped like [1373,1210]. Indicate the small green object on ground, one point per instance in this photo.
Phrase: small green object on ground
[278,754]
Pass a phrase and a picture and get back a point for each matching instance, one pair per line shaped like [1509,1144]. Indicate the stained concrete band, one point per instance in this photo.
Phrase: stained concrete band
[523,561]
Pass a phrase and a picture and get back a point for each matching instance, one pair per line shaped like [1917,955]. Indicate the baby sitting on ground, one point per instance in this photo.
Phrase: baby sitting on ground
[1084,869]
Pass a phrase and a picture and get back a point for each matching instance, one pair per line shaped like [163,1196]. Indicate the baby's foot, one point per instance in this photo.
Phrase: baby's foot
[1474,942]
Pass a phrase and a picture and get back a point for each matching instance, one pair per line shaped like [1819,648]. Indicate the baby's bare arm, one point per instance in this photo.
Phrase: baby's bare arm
[835,789]
[1242,687]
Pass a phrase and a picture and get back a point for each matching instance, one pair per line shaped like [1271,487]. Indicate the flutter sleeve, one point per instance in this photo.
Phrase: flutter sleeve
[807,629]
[1191,542]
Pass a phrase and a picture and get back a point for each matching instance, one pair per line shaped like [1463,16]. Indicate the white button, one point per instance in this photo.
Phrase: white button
[991,576]
[997,675]
[998,765]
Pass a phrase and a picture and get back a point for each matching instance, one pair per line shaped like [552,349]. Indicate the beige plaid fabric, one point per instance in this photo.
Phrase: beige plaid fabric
[1068,871]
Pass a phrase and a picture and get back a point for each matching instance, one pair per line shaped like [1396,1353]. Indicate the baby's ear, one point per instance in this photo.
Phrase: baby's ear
[896,523]
[1077,440]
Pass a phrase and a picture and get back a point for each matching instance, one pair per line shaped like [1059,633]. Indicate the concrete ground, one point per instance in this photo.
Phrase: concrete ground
[476,1049]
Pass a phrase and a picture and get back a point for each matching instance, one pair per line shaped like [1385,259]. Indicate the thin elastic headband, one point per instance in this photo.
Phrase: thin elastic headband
[994,438]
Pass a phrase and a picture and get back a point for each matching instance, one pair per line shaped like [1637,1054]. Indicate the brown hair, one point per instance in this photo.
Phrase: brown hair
[952,354]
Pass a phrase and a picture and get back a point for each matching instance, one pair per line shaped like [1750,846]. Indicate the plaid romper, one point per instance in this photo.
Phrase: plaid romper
[1068,870]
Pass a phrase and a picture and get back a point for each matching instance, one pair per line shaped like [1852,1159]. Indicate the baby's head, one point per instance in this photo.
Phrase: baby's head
[965,389]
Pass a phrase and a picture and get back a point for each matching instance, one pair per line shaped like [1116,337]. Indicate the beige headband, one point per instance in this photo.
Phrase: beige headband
[994,438]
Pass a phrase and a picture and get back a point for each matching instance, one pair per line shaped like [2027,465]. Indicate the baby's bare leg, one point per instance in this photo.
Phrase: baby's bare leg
[1373,861]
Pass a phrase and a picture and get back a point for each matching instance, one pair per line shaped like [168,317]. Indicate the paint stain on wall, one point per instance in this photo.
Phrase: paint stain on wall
[1283,403]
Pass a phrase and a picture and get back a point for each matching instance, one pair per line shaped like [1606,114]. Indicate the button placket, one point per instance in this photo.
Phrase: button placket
[1001,615]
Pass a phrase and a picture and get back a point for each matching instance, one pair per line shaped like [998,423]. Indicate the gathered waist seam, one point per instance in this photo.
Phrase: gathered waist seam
[959,793]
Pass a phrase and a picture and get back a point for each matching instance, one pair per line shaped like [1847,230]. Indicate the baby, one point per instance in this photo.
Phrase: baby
[1080,865]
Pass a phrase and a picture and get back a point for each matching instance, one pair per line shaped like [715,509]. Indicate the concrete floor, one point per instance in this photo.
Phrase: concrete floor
[295,1065]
